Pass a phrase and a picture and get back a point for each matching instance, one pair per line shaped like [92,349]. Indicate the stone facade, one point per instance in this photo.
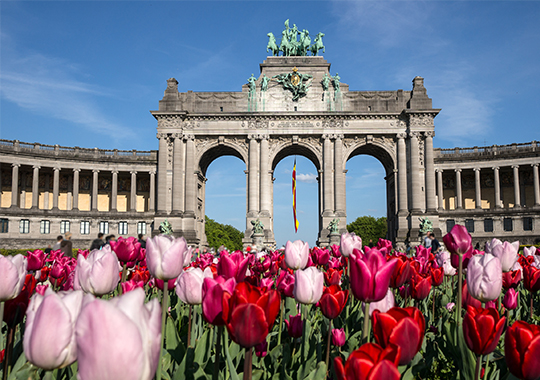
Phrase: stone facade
[95,189]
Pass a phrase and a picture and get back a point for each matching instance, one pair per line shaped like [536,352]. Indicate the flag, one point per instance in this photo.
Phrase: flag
[294,197]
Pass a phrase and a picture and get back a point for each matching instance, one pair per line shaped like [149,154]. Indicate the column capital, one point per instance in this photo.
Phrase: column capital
[476,169]
[161,135]
[437,170]
[56,168]
[132,172]
[515,167]
[178,135]
[95,170]
[189,136]
[401,135]
[395,170]
[16,165]
[430,134]
[114,171]
[152,172]
[36,167]
[327,136]
[415,134]
[495,168]
[535,165]
[458,170]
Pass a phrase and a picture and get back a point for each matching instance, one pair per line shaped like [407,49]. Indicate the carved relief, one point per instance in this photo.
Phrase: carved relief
[421,150]
[169,121]
[332,123]
[421,121]
[190,124]
[170,144]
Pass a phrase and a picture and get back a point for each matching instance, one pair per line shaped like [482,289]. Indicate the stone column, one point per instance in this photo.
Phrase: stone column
[152,196]
[69,195]
[517,200]
[46,192]
[478,189]
[76,189]
[133,192]
[440,191]
[459,197]
[328,193]
[191,185]
[402,175]
[15,185]
[497,187]
[56,187]
[253,170]
[22,200]
[339,177]
[265,179]
[430,172]
[114,191]
[35,187]
[162,173]
[95,190]
[415,172]
[536,185]
[178,173]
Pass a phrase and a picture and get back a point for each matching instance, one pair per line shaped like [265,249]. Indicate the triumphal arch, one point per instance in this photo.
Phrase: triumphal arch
[296,106]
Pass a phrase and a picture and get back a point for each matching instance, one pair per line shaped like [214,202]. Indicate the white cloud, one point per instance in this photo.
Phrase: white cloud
[307,178]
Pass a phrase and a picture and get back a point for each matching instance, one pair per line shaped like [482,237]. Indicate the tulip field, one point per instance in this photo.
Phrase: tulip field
[342,312]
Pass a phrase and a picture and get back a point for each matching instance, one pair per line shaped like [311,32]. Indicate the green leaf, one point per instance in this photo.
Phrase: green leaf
[231,368]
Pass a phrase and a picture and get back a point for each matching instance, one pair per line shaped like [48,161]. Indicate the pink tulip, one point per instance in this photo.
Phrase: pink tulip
[159,283]
[189,285]
[349,242]
[12,275]
[370,275]
[233,265]
[119,339]
[165,256]
[320,256]
[296,254]
[507,254]
[36,259]
[530,251]
[510,299]
[443,259]
[308,285]
[212,298]
[338,337]
[40,289]
[285,284]
[127,250]
[130,285]
[295,325]
[49,336]
[385,304]
[99,273]
[458,240]
[267,283]
[484,277]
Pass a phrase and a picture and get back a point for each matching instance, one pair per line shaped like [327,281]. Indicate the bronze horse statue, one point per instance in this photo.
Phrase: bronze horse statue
[318,44]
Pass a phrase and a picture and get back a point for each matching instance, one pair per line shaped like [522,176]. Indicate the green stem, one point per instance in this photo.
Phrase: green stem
[247,363]
[123,279]
[281,307]
[365,332]
[531,308]
[189,326]
[8,351]
[486,367]
[304,337]
[48,375]
[164,307]
[215,374]
[460,290]
[478,367]
[328,344]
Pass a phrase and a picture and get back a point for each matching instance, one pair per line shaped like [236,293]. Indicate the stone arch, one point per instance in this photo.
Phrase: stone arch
[301,148]
[217,149]
[384,151]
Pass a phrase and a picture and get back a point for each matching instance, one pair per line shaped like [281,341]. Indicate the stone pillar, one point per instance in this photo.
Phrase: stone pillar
[69,195]
[46,192]
[440,191]
[536,185]
[35,187]
[152,196]
[56,187]
[339,179]
[95,190]
[497,187]
[191,185]
[415,172]
[76,189]
[162,173]
[517,199]
[430,173]
[22,200]
[15,185]
[114,191]
[478,189]
[265,205]
[328,193]
[133,192]
[402,175]
[459,197]
[253,170]
[178,183]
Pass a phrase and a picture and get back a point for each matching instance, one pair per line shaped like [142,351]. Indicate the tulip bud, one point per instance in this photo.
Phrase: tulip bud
[510,299]
[338,337]
[295,325]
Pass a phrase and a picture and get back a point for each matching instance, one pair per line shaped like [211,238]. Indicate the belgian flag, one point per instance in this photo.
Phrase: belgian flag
[294,196]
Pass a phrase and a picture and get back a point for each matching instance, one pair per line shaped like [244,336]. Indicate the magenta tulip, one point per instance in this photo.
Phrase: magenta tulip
[350,242]
[296,254]
[49,336]
[189,285]
[295,325]
[308,285]
[98,274]
[484,277]
[458,240]
[510,299]
[370,275]
[36,259]
[119,339]
[285,284]
[130,285]
[12,275]
[127,250]
[166,256]
[233,265]
[338,337]
[212,298]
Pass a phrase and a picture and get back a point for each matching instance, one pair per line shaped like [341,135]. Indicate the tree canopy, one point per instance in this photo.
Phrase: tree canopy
[223,234]
[369,227]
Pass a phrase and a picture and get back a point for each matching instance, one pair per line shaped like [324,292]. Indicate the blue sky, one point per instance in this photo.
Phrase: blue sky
[86,73]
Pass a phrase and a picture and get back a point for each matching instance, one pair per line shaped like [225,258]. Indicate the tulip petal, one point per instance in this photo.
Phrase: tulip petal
[531,363]
[247,325]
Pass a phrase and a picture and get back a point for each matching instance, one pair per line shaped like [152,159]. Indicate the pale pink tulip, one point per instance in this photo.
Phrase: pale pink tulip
[296,254]
[165,256]
[119,339]
[349,242]
[12,275]
[484,277]
[99,273]
[507,254]
[308,285]
[189,285]
[385,304]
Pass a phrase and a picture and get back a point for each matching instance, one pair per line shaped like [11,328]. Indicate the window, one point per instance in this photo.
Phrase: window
[141,228]
[45,227]
[85,228]
[527,224]
[507,224]
[64,226]
[104,228]
[4,223]
[469,225]
[24,226]
[450,223]
[122,228]
[488,225]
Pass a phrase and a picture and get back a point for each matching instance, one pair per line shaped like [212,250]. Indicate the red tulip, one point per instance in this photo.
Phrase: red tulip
[369,362]
[295,325]
[15,308]
[511,279]
[333,277]
[250,313]
[522,350]
[531,278]
[482,329]
[402,272]
[403,327]
[333,301]
[370,274]
[437,276]
[213,291]
[467,299]
[420,285]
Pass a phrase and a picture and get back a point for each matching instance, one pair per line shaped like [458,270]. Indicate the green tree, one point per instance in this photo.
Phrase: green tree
[368,227]
[219,234]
